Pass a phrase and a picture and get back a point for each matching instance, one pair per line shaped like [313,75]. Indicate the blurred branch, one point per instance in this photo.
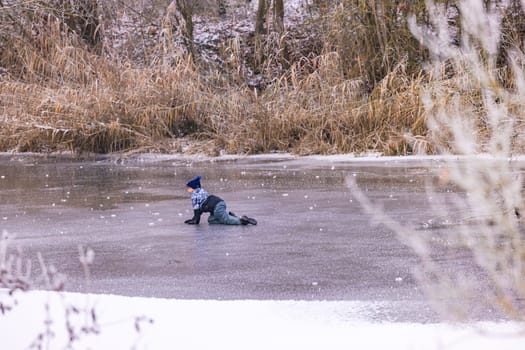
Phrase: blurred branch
[471,112]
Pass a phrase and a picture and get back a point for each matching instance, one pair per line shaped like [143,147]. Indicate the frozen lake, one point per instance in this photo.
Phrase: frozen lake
[313,242]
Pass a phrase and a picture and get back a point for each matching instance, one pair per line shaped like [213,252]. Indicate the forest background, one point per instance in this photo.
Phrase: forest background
[237,76]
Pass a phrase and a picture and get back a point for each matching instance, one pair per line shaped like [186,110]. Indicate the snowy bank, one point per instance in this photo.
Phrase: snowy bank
[123,323]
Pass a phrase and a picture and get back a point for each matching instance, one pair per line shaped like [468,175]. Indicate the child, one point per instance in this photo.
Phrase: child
[203,202]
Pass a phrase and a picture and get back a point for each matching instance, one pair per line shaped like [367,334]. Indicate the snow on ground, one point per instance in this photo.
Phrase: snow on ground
[241,324]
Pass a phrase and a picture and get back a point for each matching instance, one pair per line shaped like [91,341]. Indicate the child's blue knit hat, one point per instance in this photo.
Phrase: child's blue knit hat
[195,182]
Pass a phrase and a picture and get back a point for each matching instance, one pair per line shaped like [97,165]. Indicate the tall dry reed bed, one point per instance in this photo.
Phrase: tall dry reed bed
[66,97]
[60,93]
[321,112]
[93,104]
[125,109]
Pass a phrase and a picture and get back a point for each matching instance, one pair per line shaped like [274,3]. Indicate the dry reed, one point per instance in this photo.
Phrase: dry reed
[61,95]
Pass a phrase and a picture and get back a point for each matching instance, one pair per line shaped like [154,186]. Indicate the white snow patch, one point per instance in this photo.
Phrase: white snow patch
[242,324]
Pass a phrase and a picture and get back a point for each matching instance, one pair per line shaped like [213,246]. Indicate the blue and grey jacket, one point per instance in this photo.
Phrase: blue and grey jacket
[203,202]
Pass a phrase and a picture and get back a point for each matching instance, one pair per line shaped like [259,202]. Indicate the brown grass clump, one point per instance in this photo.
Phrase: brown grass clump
[66,97]
[322,112]
[352,85]
[120,111]
[61,94]
[105,106]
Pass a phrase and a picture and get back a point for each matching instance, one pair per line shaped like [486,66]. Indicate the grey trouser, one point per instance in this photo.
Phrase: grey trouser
[220,216]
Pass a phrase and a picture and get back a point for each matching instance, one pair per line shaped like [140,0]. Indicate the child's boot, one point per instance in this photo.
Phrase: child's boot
[246,220]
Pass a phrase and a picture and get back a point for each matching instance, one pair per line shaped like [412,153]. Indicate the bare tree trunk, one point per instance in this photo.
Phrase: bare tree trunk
[278,16]
[263,8]
[260,19]
[178,28]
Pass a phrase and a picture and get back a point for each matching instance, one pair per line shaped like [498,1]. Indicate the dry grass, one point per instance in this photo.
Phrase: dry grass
[321,112]
[69,98]
[61,95]
[106,106]
[126,109]
[352,85]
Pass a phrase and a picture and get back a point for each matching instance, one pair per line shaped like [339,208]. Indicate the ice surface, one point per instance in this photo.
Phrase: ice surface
[313,243]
